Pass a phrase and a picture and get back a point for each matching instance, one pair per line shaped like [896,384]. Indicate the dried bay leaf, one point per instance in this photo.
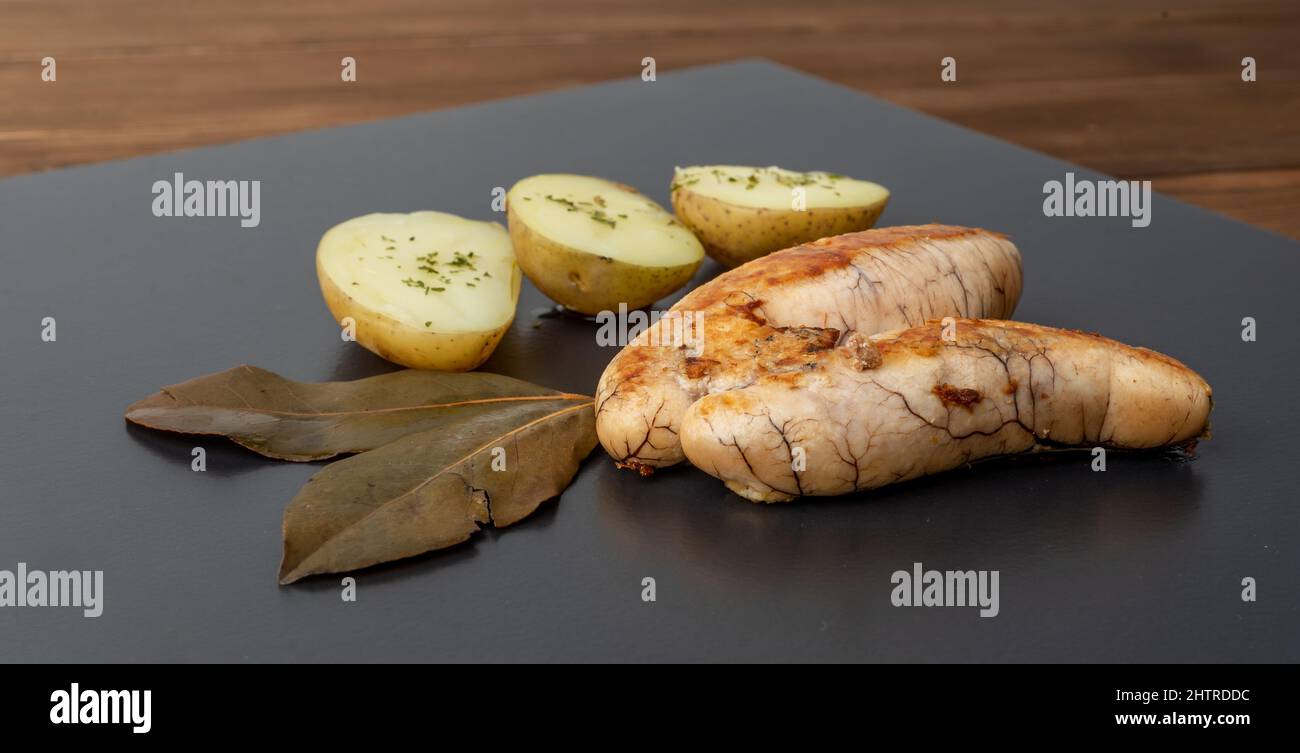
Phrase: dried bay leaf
[289,420]
[441,455]
[435,488]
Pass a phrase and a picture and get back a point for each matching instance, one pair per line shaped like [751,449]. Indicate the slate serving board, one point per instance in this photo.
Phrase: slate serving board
[1141,563]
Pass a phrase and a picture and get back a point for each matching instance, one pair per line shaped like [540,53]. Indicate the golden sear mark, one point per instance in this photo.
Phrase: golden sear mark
[963,396]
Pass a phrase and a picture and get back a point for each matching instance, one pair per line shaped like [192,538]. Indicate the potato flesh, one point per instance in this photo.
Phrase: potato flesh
[416,269]
[604,219]
[773,187]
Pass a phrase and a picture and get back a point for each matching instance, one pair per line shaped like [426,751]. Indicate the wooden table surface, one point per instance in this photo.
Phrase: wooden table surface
[1138,89]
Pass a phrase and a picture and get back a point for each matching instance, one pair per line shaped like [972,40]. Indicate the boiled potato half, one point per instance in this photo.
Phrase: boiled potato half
[427,290]
[742,213]
[592,244]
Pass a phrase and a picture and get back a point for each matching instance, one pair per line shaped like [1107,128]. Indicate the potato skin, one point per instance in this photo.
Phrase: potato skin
[588,283]
[771,313]
[908,403]
[733,234]
[406,345]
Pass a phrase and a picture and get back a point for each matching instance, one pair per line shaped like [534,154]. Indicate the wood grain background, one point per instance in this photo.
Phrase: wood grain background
[1139,89]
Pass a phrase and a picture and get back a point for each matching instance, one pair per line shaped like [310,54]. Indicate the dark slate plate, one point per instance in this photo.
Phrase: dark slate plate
[1142,562]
